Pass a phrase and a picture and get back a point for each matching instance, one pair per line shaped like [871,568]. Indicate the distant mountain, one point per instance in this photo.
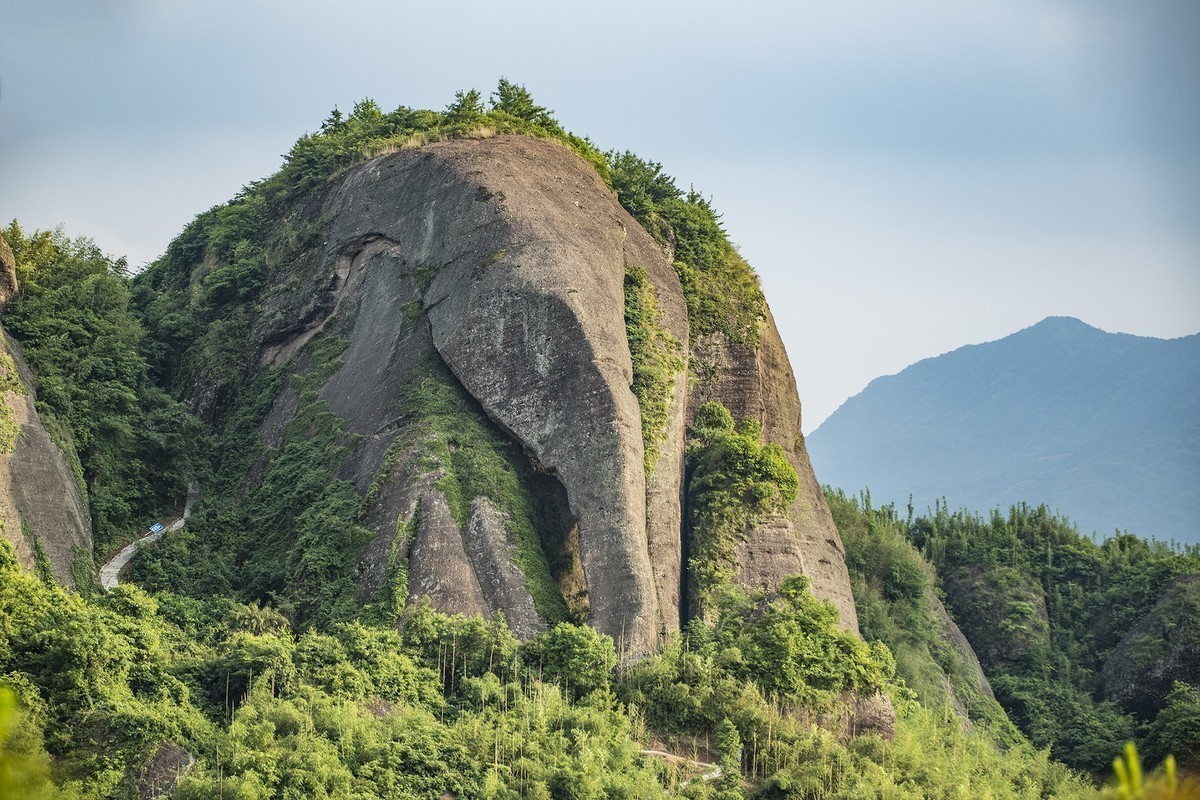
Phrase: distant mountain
[1104,427]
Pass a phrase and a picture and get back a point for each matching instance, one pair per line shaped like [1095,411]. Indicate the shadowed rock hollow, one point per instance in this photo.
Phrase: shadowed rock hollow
[479,290]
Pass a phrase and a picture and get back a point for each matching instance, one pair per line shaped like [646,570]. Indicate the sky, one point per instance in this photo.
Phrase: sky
[907,178]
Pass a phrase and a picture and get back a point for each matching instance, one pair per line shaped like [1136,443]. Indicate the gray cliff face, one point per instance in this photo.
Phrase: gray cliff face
[503,262]
[41,502]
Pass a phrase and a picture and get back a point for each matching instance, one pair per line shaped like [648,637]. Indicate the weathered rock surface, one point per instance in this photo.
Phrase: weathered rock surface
[503,260]
[972,685]
[165,768]
[8,273]
[499,578]
[41,502]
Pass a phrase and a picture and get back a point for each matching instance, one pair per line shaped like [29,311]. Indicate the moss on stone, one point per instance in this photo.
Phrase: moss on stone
[477,461]
[656,360]
[9,382]
[735,482]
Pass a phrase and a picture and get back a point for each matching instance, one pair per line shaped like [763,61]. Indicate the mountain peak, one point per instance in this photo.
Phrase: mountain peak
[1057,323]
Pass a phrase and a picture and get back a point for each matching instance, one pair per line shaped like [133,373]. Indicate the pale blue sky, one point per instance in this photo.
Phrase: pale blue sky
[907,178]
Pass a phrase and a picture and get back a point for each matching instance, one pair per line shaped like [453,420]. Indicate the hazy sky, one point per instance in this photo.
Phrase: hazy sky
[906,177]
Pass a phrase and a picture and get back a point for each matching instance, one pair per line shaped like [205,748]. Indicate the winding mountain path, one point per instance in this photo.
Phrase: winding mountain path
[111,570]
[711,773]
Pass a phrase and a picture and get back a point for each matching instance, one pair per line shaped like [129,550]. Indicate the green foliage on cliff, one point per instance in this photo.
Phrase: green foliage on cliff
[135,445]
[721,290]
[292,534]
[656,361]
[10,381]
[734,482]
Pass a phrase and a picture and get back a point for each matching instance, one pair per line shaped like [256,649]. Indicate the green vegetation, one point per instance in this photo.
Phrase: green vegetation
[292,536]
[134,444]
[1043,607]
[1133,784]
[656,361]
[448,704]
[1062,603]
[897,602]
[720,288]
[735,482]
[457,438]
[1175,731]
[24,764]
[9,382]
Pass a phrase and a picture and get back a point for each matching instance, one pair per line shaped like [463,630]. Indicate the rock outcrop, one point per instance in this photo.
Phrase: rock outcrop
[42,508]
[8,273]
[758,383]
[1164,647]
[494,271]
[1001,611]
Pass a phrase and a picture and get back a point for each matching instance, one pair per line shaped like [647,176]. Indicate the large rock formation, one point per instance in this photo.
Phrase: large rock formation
[496,268]
[43,513]
[8,273]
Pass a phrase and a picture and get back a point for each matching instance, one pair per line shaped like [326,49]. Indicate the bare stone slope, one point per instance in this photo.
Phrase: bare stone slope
[503,261]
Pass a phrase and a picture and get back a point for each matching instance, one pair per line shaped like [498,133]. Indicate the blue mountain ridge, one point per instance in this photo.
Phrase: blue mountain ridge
[1103,427]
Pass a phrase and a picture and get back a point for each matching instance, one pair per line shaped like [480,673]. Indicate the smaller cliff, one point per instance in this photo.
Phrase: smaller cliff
[8,273]
[43,512]
[1164,647]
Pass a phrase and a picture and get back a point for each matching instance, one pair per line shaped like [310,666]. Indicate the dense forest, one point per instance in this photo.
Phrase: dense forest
[1046,610]
[242,653]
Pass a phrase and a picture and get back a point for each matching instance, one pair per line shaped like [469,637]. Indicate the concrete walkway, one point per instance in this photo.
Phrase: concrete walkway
[111,571]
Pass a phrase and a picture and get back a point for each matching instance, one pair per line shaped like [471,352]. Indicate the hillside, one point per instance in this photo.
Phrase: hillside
[1102,427]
